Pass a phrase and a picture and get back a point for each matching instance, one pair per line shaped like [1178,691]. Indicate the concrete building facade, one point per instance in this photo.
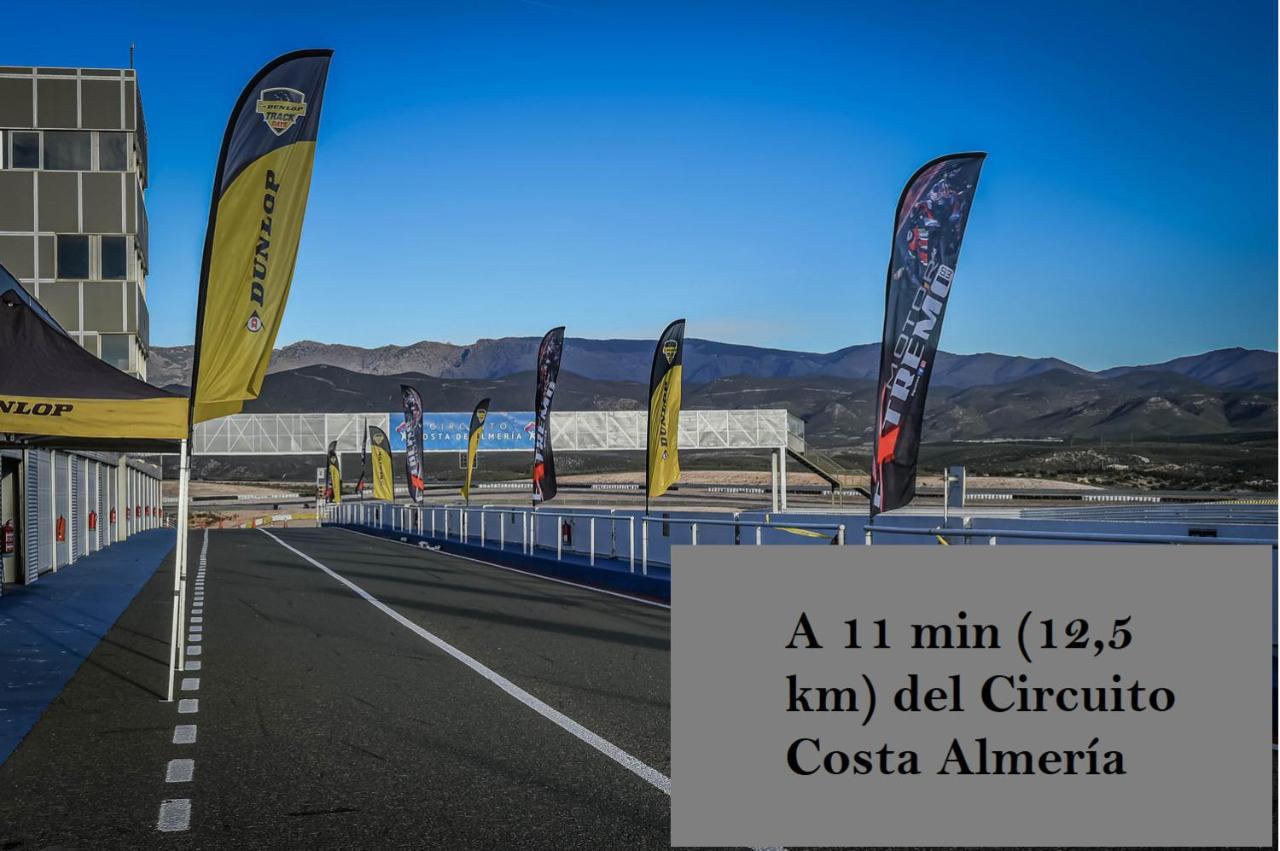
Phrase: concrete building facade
[73,223]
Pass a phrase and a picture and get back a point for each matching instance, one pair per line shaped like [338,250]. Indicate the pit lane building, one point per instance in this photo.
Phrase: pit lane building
[73,232]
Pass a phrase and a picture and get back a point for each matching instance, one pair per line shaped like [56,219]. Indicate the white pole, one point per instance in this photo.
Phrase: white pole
[773,479]
[644,545]
[184,531]
[782,479]
[179,556]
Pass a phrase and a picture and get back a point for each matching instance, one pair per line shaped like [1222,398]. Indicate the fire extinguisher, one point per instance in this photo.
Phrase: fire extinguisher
[112,517]
[60,529]
[7,540]
[566,533]
[93,521]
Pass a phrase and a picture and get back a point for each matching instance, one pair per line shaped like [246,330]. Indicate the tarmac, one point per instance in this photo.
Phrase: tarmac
[343,691]
[51,626]
[324,722]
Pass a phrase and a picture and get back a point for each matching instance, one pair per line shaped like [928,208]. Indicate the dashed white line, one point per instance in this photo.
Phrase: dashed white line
[617,754]
[195,638]
[180,771]
[196,628]
[175,814]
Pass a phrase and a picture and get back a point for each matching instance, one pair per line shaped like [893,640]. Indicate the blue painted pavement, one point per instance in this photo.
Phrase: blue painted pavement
[48,628]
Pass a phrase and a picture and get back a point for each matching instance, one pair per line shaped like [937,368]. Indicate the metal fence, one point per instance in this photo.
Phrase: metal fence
[637,540]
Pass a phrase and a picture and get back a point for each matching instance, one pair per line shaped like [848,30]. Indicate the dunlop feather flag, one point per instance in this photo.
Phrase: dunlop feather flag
[544,464]
[383,484]
[662,460]
[473,443]
[927,231]
[334,473]
[413,463]
[255,222]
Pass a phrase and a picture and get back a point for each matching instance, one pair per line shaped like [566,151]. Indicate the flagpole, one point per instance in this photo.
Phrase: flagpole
[179,568]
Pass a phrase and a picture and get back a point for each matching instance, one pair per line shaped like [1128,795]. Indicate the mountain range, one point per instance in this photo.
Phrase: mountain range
[707,360]
[972,397]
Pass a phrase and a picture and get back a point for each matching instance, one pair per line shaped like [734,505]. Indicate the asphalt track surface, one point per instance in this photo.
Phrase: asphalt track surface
[324,721]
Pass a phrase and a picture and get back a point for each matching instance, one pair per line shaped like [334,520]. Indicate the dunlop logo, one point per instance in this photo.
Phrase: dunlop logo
[39,409]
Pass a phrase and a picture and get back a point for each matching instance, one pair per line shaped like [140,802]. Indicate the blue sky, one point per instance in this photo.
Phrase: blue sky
[493,167]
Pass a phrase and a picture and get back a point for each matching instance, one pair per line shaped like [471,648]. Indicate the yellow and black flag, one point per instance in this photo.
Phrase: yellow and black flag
[662,467]
[335,474]
[255,222]
[473,443]
[383,483]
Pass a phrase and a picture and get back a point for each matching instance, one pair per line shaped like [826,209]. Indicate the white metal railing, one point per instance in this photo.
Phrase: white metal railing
[993,536]
[615,535]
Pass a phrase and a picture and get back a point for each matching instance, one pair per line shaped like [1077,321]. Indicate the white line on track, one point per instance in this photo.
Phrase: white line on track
[188,706]
[190,683]
[641,600]
[180,771]
[184,734]
[174,815]
[617,754]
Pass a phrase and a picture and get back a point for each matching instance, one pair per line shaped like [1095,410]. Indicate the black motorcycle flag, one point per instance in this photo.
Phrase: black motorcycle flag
[662,461]
[928,228]
[544,465]
[413,442]
[473,443]
[364,451]
[333,487]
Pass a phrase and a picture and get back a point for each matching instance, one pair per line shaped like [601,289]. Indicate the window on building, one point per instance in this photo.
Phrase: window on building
[73,256]
[26,150]
[113,152]
[66,150]
[115,350]
[115,262]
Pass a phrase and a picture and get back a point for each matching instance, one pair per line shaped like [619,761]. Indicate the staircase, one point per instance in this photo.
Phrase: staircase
[830,471]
